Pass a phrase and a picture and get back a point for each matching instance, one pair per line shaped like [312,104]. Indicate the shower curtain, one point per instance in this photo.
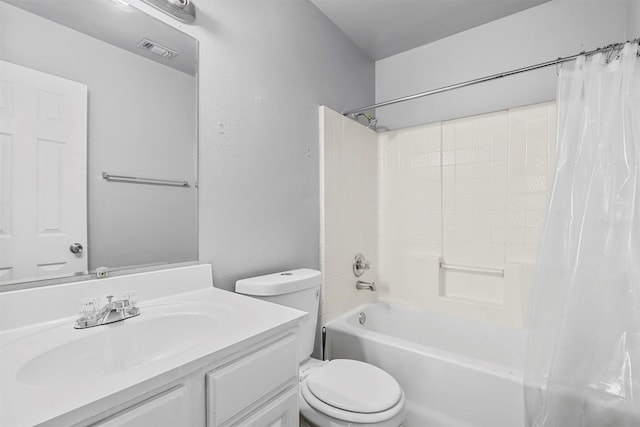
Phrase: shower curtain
[583,360]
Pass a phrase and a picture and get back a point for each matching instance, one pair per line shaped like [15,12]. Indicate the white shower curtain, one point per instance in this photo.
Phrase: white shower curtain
[583,366]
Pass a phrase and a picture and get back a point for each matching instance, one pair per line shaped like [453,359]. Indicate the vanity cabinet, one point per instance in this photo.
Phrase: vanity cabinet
[197,356]
[282,412]
[262,385]
[170,408]
[256,386]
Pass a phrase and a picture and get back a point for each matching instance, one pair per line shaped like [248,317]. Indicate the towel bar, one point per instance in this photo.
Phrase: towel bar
[123,178]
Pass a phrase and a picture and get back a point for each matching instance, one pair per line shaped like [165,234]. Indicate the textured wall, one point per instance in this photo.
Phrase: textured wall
[553,29]
[265,67]
[633,19]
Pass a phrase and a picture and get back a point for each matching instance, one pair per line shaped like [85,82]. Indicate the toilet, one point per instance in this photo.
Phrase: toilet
[334,393]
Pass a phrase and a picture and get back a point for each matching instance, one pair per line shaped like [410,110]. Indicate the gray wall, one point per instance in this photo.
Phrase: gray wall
[633,19]
[133,130]
[265,67]
[554,29]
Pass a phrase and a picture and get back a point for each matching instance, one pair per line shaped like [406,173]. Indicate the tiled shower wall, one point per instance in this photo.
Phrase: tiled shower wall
[469,192]
[349,205]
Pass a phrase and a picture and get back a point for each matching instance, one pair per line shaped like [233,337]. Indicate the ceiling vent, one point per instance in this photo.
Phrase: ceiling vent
[157,49]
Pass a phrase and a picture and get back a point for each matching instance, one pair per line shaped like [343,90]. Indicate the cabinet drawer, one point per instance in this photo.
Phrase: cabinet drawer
[282,412]
[169,408]
[240,384]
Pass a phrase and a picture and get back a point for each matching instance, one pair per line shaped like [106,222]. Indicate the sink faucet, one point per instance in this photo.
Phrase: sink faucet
[361,285]
[115,310]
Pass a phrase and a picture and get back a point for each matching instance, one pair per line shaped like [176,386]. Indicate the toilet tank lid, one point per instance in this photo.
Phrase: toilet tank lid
[280,283]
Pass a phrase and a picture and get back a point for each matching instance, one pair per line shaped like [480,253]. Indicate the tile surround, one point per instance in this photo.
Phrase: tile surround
[349,204]
[471,191]
[484,206]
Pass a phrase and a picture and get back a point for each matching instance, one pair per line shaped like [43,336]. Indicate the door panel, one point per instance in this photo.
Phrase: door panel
[43,193]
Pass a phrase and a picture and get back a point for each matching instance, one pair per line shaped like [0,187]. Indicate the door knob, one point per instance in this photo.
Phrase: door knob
[76,248]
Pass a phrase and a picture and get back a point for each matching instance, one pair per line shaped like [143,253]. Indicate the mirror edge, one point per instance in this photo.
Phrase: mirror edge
[32,283]
[20,286]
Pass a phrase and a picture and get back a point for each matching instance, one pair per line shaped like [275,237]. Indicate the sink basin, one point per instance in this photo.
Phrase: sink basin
[54,374]
[158,333]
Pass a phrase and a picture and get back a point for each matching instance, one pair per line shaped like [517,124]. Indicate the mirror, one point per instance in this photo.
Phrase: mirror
[93,91]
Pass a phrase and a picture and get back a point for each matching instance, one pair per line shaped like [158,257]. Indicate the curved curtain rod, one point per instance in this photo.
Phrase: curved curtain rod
[488,78]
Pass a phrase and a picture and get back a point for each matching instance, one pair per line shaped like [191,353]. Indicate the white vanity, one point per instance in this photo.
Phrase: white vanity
[195,356]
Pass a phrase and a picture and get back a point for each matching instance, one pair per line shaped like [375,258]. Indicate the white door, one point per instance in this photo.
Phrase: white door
[43,190]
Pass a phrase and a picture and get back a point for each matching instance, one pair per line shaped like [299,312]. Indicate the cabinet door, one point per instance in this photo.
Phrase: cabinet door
[238,387]
[281,412]
[165,409]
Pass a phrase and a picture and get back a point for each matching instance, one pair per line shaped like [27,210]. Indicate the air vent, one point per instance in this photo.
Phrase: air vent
[157,49]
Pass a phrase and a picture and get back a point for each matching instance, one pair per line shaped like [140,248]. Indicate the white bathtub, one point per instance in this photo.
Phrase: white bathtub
[455,372]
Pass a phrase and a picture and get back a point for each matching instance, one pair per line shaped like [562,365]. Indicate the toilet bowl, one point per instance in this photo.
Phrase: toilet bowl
[332,393]
[349,393]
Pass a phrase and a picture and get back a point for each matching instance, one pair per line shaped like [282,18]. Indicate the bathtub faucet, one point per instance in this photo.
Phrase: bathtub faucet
[361,285]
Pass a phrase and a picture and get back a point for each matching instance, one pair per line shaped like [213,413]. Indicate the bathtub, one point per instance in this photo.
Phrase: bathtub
[455,372]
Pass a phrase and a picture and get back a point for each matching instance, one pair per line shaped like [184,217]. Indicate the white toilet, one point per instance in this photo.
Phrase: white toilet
[339,392]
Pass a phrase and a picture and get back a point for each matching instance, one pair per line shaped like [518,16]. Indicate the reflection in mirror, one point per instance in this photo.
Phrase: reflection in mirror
[87,88]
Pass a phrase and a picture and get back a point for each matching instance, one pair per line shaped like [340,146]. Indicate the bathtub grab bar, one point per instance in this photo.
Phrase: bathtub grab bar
[479,270]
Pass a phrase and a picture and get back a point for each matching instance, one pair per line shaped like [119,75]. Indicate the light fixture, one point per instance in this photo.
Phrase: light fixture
[121,3]
[182,10]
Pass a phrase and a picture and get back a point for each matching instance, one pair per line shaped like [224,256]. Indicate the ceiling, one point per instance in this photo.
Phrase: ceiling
[386,27]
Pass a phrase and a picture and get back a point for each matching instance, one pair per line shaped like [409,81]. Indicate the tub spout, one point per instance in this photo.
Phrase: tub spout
[360,285]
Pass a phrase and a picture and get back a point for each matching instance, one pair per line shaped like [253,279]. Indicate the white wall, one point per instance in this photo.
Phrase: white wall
[349,211]
[132,131]
[554,29]
[265,67]
[633,19]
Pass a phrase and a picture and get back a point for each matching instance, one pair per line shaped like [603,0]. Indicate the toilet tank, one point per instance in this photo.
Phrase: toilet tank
[299,289]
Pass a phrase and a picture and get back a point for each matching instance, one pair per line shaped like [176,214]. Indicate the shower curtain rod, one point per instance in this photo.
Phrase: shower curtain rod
[489,78]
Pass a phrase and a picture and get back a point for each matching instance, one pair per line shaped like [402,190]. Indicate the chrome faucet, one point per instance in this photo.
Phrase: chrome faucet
[361,285]
[360,264]
[115,310]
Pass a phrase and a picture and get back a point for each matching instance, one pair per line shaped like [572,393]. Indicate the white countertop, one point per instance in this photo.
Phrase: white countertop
[25,402]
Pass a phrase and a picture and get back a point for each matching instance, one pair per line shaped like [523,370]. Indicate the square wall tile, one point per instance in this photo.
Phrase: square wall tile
[472,190]
[350,171]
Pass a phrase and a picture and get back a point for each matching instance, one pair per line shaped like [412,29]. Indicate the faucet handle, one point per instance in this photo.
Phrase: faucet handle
[129,296]
[125,300]
[88,307]
[360,264]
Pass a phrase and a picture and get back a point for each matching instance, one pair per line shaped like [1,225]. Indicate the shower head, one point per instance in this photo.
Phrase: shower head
[182,10]
[371,121]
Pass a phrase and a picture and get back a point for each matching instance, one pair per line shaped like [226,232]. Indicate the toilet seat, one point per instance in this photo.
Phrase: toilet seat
[353,391]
